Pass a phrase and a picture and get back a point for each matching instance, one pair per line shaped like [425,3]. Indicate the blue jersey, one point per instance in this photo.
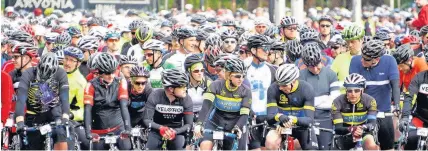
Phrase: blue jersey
[378,79]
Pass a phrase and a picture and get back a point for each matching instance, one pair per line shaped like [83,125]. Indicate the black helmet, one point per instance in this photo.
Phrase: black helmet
[106,63]
[139,71]
[191,60]
[213,40]
[367,39]
[198,19]
[134,25]
[229,34]
[403,53]
[202,35]
[174,78]
[47,66]
[309,37]
[374,49]
[184,33]
[259,41]
[382,36]
[311,55]
[278,46]
[294,49]
[21,36]
[271,31]
[235,65]
[208,28]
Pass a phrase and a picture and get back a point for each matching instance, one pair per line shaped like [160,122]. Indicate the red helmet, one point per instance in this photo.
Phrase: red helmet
[25,49]
[28,28]
[37,12]
[409,39]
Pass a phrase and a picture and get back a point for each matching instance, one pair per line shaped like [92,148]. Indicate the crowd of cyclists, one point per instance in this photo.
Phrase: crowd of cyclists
[188,81]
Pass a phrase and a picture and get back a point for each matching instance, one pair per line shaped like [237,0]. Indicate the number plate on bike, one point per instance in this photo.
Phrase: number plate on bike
[317,131]
[110,140]
[286,131]
[135,132]
[218,135]
[422,132]
[9,123]
[45,129]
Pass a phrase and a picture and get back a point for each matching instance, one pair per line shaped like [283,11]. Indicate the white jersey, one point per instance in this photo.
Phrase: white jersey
[137,52]
[260,78]
[176,59]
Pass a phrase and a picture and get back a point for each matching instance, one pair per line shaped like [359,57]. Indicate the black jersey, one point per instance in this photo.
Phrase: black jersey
[354,114]
[417,99]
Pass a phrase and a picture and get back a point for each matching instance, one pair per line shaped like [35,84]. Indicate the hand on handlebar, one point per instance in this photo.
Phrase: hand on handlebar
[397,110]
[356,131]
[236,130]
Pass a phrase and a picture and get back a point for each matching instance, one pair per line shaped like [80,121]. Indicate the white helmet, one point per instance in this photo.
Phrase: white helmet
[286,73]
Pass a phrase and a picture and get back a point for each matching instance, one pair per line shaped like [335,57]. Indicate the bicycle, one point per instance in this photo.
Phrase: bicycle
[218,137]
[287,141]
[423,137]
[139,137]
[6,133]
[317,130]
[109,139]
[47,131]
[359,141]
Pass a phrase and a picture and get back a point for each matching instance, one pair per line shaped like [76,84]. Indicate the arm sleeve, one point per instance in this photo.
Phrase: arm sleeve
[150,112]
[411,96]
[395,91]
[88,117]
[337,118]
[308,108]
[64,92]
[245,109]
[394,80]
[422,18]
[188,116]
[272,107]
[22,94]
[207,104]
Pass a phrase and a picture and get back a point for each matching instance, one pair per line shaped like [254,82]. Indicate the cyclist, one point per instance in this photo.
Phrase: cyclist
[226,104]
[261,75]
[112,39]
[230,41]
[354,37]
[106,103]
[50,39]
[288,28]
[153,54]
[336,46]
[326,28]
[210,56]
[291,102]
[382,72]
[197,20]
[276,54]
[75,34]
[89,45]
[169,112]
[22,54]
[126,63]
[202,36]
[72,60]
[385,37]
[142,34]
[133,26]
[326,88]
[260,26]
[351,112]
[229,24]
[43,92]
[293,50]
[186,37]
[139,91]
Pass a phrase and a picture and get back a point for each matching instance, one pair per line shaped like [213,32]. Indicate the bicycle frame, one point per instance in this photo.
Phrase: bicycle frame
[218,137]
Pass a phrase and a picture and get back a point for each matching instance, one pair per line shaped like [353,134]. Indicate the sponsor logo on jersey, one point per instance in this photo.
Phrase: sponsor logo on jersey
[283,99]
[423,88]
[360,106]
[169,109]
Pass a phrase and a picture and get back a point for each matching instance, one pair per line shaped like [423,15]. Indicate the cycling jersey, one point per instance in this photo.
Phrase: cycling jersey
[196,93]
[176,58]
[6,96]
[325,60]
[260,76]
[160,111]
[77,84]
[83,68]
[138,101]
[341,65]
[418,65]
[379,79]
[418,92]
[299,103]
[347,114]
[230,106]
[104,102]
[137,52]
[325,84]
[155,73]
[30,92]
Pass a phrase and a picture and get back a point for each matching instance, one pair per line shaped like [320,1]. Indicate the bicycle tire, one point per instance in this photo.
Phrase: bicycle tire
[16,142]
[76,142]
[48,144]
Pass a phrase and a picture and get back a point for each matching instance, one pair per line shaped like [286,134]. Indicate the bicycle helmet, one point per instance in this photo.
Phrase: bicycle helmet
[235,65]
[63,39]
[94,21]
[98,31]
[208,28]
[198,19]
[202,35]
[353,32]
[191,60]
[309,37]
[212,20]
[293,49]
[409,39]
[426,54]
[167,40]
[278,46]
[74,31]
[229,23]
[286,74]
[229,34]
[385,29]
[302,28]
[184,33]
[106,63]
[158,35]
[271,31]
[144,33]
[326,18]
[222,58]
[211,54]
[257,41]
[403,53]
[166,24]
[92,61]
[213,40]
[367,39]
[74,52]
[25,49]
[174,78]
[355,80]
[153,44]
[112,34]
[139,71]
[414,33]
[124,59]
[28,28]
[47,67]
[423,31]
[51,37]
[57,29]
[135,24]
[337,40]
[287,21]
[59,55]
[381,36]
[311,55]
[22,36]
[243,39]
[374,49]
[88,43]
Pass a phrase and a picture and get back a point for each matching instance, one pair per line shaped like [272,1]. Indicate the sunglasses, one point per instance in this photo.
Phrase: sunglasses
[140,83]
[386,44]
[133,33]
[335,47]
[238,76]
[106,73]
[367,59]
[218,69]
[291,28]
[325,26]
[148,54]
[77,36]
[265,47]
[353,90]
[199,71]
[230,42]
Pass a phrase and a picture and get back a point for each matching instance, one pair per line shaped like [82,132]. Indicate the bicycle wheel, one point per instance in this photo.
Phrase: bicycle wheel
[16,142]
[48,143]
[76,142]
[5,140]
[215,146]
